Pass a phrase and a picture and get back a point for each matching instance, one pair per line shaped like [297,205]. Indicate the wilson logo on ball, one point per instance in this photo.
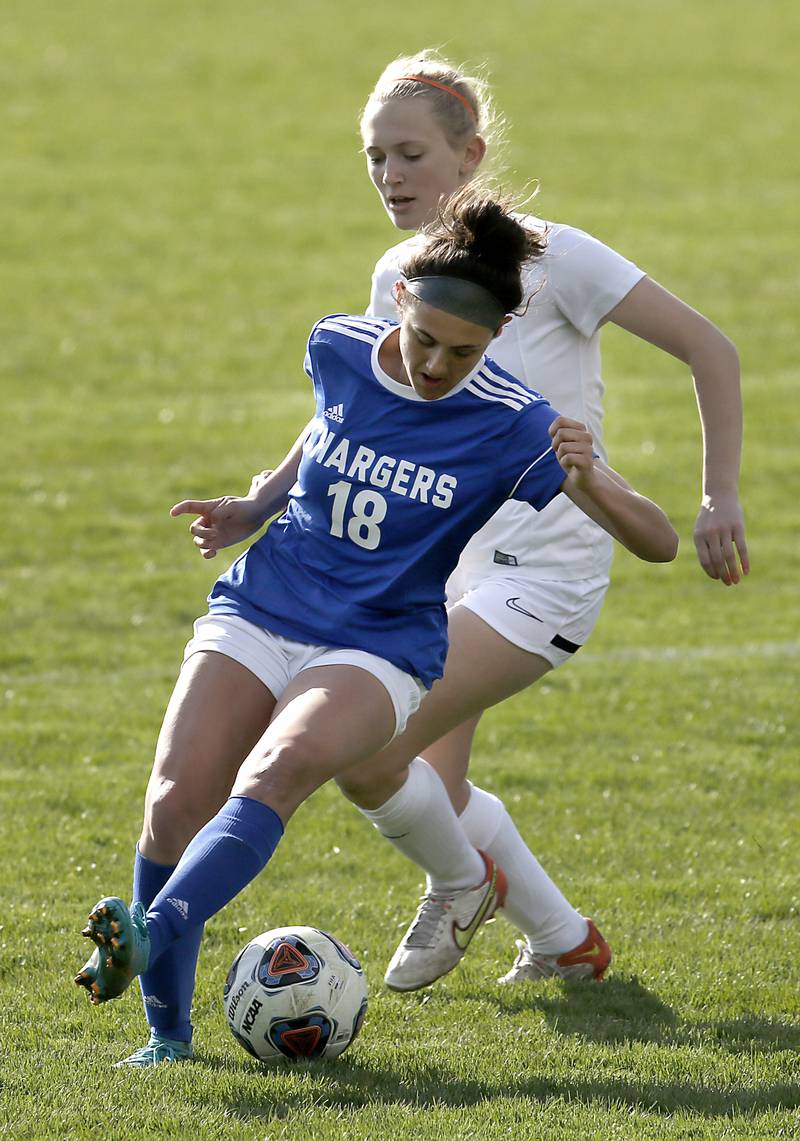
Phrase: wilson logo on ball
[295,992]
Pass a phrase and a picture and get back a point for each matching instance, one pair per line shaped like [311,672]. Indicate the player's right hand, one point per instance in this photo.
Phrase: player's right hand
[259,480]
[220,522]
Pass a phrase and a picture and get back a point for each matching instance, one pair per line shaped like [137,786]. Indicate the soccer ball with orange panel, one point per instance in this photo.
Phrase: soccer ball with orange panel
[295,992]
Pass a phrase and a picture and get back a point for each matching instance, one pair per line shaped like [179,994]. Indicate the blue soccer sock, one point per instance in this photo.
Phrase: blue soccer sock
[221,860]
[168,986]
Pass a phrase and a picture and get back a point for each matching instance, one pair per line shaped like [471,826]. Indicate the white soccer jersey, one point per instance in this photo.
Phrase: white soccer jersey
[554,348]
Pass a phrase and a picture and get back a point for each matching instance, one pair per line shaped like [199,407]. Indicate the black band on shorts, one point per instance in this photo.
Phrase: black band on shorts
[564,644]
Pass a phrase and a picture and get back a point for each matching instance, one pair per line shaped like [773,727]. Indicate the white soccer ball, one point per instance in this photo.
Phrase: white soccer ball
[295,992]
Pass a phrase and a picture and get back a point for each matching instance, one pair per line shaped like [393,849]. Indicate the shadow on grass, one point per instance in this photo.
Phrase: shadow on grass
[619,1011]
[623,1010]
[348,1086]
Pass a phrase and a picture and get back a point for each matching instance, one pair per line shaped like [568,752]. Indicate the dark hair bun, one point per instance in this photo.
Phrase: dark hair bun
[477,237]
[487,230]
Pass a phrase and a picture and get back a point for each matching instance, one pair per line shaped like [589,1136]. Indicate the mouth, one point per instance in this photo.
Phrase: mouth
[398,203]
[430,383]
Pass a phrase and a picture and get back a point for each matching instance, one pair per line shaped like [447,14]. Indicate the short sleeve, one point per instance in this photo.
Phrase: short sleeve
[381,301]
[588,279]
[542,475]
[387,270]
[308,364]
[308,367]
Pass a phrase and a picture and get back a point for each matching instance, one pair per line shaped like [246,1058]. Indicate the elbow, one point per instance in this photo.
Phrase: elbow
[666,550]
[732,353]
[714,345]
[660,545]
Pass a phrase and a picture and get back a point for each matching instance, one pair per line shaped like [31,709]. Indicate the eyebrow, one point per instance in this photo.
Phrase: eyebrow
[418,329]
[402,143]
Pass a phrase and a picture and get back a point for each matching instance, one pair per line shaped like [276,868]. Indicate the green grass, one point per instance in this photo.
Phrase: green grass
[182,198]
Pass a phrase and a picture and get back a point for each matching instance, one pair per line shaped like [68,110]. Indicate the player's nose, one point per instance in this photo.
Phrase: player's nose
[392,174]
[436,364]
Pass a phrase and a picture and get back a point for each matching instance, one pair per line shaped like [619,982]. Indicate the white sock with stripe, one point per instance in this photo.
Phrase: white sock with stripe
[533,903]
[419,820]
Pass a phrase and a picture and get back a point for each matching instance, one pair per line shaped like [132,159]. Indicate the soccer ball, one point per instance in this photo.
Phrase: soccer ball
[295,992]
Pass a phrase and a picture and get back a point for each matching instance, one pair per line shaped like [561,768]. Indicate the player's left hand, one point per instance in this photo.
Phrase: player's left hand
[573,446]
[719,536]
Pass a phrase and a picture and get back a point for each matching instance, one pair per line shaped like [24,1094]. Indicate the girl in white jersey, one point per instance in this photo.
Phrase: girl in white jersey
[529,587]
[311,656]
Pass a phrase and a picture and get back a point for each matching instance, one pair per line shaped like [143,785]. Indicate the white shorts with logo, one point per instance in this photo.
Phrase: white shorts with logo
[275,660]
[550,618]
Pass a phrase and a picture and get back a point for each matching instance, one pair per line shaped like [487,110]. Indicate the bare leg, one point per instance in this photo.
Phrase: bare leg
[309,741]
[217,713]
[482,669]
[326,717]
[450,756]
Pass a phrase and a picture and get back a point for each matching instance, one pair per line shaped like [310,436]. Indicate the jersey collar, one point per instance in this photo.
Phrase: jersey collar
[406,391]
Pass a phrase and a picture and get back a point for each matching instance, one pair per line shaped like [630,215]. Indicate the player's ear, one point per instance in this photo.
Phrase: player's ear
[399,292]
[473,156]
[501,326]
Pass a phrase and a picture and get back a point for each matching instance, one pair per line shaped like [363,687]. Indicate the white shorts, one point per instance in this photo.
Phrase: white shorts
[551,619]
[275,660]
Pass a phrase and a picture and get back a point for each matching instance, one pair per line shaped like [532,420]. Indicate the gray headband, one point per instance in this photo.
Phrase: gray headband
[464,299]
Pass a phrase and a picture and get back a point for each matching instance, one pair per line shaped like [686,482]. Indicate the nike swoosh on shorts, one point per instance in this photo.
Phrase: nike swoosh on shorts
[514,604]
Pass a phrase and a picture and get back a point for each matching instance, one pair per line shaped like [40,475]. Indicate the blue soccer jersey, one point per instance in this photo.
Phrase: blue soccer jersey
[389,489]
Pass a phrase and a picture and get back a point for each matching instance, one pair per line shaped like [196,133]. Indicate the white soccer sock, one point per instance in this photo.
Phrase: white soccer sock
[533,903]
[419,820]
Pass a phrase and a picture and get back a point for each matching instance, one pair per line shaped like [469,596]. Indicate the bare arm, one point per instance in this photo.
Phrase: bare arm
[602,494]
[230,518]
[657,316]
[271,489]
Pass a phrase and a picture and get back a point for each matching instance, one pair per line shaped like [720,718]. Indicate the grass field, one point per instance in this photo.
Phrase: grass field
[182,197]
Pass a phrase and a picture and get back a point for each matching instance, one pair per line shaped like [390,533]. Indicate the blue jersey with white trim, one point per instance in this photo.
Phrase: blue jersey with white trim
[390,487]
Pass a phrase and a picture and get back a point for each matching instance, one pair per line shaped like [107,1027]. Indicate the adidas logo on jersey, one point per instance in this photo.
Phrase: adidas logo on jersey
[180,905]
[335,413]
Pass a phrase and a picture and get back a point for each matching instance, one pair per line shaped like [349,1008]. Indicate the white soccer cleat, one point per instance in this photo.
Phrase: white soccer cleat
[443,929]
[589,960]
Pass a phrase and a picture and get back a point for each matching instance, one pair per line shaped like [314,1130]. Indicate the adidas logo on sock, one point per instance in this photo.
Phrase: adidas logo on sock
[152,1000]
[335,413]
[180,905]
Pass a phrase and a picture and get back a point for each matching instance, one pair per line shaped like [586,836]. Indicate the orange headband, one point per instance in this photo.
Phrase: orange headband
[441,87]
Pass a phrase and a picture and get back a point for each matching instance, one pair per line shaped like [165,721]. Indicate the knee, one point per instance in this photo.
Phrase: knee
[174,812]
[355,786]
[369,789]
[283,776]
[371,783]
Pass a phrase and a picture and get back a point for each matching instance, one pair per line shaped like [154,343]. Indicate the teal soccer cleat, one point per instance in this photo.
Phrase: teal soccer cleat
[123,949]
[157,1051]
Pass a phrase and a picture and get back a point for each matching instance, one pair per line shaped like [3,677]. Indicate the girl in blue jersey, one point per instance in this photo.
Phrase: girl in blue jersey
[321,639]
